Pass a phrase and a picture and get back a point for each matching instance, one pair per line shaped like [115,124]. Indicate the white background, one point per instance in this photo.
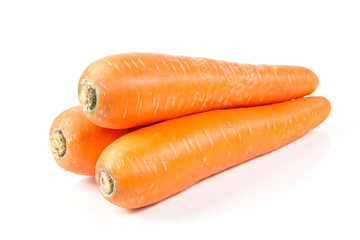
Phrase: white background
[306,190]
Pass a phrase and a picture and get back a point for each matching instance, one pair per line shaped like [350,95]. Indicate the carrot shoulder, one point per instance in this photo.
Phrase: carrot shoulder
[155,162]
[76,143]
[126,90]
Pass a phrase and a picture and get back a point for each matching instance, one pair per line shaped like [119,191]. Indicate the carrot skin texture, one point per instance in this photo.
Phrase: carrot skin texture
[153,163]
[141,88]
[84,141]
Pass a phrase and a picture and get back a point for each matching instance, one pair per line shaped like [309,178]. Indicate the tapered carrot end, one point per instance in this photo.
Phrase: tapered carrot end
[87,95]
[58,144]
[105,182]
[328,104]
[310,80]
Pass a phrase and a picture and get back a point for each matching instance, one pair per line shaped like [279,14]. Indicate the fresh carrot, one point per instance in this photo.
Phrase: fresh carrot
[155,162]
[76,143]
[127,90]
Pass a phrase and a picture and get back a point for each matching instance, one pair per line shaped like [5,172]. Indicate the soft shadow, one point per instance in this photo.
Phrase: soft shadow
[86,197]
[88,183]
[246,187]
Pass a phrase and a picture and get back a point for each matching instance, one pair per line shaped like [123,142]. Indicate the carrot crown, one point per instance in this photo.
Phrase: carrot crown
[106,182]
[88,95]
[58,144]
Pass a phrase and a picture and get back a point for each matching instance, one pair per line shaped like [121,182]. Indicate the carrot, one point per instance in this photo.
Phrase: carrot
[126,90]
[155,162]
[76,143]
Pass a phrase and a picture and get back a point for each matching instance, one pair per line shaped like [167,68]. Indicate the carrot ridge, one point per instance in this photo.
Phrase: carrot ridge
[155,162]
[133,89]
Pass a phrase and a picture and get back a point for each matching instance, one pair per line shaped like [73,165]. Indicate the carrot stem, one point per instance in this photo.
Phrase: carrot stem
[106,182]
[58,144]
[88,95]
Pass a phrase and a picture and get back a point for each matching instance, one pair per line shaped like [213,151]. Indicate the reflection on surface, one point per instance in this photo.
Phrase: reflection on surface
[245,187]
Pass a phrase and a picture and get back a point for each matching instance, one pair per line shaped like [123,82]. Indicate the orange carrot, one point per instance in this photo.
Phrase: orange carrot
[76,143]
[126,90]
[155,162]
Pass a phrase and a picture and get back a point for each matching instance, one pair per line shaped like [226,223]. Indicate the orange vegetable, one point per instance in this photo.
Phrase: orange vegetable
[76,143]
[127,90]
[155,162]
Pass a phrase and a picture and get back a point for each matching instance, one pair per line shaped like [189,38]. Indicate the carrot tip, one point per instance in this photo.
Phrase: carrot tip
[58,144]
[106,183]
[87,95]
